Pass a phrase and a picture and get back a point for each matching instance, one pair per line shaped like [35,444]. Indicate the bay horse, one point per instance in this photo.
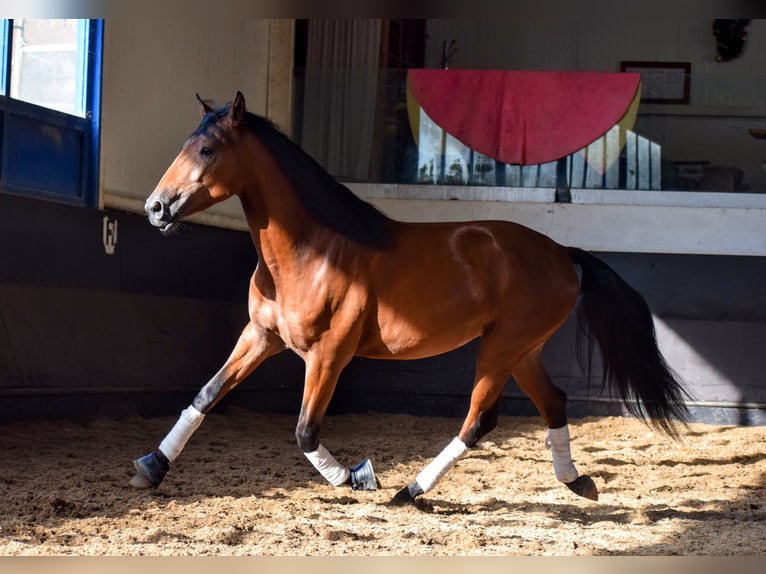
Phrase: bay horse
[336,278]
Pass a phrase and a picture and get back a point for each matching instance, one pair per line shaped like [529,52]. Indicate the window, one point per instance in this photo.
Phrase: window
[49,103]
[48,63]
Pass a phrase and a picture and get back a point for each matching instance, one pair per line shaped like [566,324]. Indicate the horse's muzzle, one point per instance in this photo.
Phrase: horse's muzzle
[160,215]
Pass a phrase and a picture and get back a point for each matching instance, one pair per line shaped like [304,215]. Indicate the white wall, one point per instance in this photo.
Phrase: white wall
[152,70]
[593,44]
[730,96]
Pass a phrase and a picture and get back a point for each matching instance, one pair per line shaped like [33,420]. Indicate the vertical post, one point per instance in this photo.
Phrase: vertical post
[92,104]
[631,154]
[6,28]
[563,192]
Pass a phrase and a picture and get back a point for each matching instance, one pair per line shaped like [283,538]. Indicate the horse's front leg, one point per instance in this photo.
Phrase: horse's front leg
[254,345]
[322,374]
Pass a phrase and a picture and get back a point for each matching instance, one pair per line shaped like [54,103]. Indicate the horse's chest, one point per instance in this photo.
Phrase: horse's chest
[300,325]
[320,307]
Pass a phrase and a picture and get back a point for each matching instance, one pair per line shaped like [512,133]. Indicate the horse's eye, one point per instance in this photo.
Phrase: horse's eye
[206,151]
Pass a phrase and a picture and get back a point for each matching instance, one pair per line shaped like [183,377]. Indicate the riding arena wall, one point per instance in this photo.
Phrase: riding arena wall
[101,315]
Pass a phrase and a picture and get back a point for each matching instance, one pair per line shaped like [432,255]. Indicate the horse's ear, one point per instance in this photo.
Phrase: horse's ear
[237,109]
[203,107]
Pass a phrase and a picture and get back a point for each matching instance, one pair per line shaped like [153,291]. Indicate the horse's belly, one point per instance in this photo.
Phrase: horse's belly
[419,335]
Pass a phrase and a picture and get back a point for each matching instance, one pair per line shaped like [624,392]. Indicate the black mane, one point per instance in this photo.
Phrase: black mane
[327,200]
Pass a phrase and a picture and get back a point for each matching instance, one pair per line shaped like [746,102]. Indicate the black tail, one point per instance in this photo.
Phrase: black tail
[618,318]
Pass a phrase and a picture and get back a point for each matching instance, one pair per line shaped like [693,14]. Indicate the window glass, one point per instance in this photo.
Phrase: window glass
[48,63]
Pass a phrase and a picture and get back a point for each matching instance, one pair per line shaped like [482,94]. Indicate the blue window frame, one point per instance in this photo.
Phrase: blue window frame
[46,152]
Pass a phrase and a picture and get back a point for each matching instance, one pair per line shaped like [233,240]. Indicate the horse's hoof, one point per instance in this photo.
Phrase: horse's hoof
[151,469]
[584,486]
[363,476]
[406,495]
[139,481]
[402,498]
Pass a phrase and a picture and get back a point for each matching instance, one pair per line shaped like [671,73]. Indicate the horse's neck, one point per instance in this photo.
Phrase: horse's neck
[289,241]
[284,234]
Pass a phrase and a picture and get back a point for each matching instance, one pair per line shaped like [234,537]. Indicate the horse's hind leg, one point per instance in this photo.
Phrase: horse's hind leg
[254,345]
[550,401]
[482,418]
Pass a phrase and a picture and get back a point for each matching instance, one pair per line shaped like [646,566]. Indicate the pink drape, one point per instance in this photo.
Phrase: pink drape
[524,117]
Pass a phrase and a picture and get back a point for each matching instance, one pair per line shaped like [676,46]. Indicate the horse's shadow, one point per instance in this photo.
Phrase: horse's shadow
[578,513]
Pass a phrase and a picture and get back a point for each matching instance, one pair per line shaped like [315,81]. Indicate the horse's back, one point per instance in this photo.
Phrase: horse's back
[520,267]
[445,283]
[505,253]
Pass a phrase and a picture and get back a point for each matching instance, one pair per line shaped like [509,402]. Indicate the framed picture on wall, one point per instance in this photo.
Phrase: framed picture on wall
[661,82]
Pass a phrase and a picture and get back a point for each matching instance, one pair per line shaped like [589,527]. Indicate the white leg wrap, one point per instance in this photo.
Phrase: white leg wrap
[558,443]
[439,466]
[335,473]
[189,421]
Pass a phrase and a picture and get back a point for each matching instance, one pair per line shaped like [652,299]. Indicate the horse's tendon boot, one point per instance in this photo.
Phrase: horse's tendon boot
[363,476]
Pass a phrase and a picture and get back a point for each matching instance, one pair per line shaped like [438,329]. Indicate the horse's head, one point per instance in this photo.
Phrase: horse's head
[202,174]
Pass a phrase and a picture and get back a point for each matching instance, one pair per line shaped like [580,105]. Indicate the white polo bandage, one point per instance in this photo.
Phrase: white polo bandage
[335,473]
[558,443]
[439,466]
[189,421]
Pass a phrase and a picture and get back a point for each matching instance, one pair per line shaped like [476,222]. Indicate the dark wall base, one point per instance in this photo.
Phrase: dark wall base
[84,332]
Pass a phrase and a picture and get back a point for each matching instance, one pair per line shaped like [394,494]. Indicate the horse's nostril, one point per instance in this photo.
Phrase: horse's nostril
[156,207]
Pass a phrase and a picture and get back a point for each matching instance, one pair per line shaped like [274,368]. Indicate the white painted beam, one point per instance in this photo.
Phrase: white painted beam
[645,222]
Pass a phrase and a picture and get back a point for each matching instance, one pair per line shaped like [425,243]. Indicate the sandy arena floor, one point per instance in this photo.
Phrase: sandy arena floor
[242,487]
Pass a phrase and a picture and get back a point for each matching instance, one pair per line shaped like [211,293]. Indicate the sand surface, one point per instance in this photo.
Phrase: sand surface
[242,487]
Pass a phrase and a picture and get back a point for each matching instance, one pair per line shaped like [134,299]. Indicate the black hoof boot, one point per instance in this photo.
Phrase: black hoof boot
[406,495]
[151,469]
[584,486]
[363,476]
